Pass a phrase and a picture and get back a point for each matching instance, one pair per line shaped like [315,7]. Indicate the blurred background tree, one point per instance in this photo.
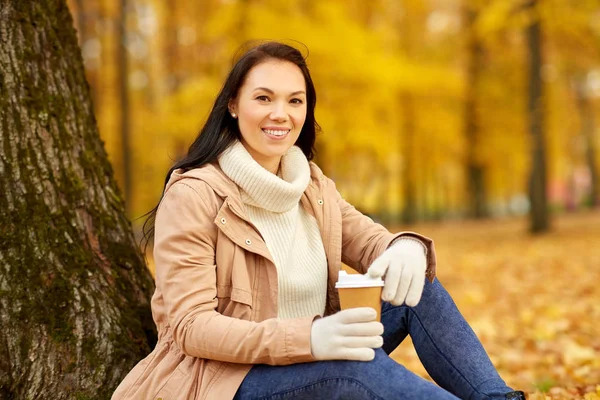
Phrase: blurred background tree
[430,109]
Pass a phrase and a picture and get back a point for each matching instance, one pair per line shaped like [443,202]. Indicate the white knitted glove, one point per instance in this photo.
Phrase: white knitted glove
[403,265]
[350,334]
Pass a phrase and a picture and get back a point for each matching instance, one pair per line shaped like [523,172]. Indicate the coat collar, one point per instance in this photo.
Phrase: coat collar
[226,188]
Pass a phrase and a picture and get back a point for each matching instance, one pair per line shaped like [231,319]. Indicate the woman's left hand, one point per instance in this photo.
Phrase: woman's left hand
[403,266]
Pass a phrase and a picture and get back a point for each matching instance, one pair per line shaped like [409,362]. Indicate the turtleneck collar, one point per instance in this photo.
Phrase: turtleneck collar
[261,188]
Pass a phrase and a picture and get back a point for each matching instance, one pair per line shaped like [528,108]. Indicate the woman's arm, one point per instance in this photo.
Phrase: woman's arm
[184,252]
[363,240]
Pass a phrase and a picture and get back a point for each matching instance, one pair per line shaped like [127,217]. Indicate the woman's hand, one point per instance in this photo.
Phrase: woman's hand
[350,334]
[403,265]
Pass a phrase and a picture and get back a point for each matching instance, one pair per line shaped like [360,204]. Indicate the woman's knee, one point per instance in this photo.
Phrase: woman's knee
[384,378]
[434,294]
[345,388]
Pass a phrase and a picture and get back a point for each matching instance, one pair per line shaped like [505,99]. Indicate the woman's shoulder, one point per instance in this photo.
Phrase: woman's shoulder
[318,177]
[316,174]
[206,177]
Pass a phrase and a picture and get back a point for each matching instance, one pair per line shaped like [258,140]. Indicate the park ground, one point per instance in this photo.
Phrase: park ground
[533,301]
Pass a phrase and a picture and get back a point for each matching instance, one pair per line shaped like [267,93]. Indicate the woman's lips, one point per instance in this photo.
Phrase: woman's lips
[276,133]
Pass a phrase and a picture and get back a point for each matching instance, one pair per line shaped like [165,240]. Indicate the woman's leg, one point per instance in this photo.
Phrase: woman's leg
[445,343]
[380,379]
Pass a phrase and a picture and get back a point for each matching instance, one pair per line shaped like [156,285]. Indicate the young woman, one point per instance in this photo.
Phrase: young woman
[249,238]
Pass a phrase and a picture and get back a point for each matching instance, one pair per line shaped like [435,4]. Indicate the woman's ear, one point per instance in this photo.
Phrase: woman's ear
[231,106]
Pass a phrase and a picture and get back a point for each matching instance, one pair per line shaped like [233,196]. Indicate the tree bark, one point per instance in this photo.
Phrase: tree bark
[123,65]
[74,290]
[539,216]
[475,171]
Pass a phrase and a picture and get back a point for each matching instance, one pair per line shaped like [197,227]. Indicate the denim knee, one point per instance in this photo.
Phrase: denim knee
[341,388]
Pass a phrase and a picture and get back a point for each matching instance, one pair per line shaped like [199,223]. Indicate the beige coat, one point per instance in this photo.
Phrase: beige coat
[215,303]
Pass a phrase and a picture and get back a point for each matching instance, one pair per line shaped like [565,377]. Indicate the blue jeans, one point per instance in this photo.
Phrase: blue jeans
[445,344]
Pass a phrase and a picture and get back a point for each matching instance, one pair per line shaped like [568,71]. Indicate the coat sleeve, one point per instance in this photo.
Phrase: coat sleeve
[363,240]
[184,253]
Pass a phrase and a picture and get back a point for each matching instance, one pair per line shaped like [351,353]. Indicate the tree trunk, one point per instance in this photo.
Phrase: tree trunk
[586,117]
[474,168]
[171,46]
[84,20]
[123,65]
[539,216]
[74,290]
[590,156]
[409,190]
[408,136]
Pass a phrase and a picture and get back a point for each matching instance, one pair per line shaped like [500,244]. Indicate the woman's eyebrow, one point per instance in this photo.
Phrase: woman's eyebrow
[272,92]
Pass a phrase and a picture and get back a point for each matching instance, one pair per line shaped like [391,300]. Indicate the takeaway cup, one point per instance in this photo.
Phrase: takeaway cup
[357,290]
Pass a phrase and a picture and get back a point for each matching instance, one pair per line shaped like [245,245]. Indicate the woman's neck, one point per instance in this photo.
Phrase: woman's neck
[271,164]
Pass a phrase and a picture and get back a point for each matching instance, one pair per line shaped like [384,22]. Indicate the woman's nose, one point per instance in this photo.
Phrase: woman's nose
[279,112]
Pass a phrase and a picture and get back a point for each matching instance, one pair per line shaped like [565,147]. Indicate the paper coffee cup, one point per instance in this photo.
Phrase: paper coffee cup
[357,290]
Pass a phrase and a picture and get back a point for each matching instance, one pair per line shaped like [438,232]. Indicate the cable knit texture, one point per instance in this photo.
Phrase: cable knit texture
[292,235]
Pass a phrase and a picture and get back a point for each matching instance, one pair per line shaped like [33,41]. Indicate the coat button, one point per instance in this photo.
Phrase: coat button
[223,221]
[320,201]
[248,242]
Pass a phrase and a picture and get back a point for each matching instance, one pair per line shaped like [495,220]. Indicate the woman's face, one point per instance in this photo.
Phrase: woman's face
[271,110]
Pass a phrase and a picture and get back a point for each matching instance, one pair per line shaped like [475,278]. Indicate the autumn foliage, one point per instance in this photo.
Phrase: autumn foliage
[414,90]
[424,109]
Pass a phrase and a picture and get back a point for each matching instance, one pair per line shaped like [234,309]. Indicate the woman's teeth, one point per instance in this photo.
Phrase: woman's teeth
[275,133]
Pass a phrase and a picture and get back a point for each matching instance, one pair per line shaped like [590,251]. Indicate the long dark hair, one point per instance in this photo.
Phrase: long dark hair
[221,129]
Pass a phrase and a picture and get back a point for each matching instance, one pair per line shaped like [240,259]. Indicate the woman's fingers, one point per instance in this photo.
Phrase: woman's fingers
[403,286]
[373,328]
[379,266]
[392,280]
[356,354]
[354,315]
[373,342]
[416,290]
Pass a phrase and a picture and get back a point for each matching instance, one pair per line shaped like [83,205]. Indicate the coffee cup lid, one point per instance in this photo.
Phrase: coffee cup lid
[346,280]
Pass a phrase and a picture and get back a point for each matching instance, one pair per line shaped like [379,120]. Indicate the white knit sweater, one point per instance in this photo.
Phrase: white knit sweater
[291,234]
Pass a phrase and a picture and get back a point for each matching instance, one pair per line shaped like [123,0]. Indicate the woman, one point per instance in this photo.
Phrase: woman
[249,237]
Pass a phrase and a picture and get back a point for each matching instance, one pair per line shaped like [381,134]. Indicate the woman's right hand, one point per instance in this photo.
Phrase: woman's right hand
[350,334]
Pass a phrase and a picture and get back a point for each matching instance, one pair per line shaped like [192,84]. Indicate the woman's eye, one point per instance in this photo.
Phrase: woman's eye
[262,98]
[297,101]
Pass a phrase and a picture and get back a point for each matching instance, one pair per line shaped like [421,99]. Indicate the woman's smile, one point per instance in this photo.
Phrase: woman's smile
[276,133]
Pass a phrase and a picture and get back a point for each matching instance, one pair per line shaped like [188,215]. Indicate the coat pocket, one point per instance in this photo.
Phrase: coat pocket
[235,294]
[172,387]
[234,302]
